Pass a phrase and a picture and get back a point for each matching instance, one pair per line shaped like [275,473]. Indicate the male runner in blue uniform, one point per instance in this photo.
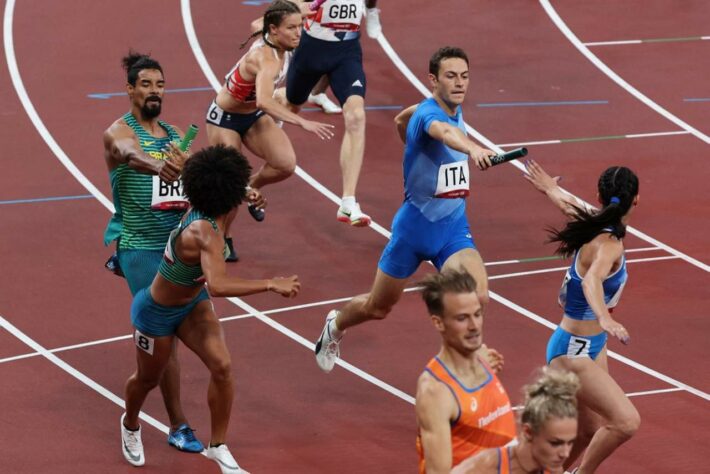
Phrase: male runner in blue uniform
[431,224]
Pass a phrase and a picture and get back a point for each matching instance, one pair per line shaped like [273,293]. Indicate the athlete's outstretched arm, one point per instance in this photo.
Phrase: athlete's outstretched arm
[547,185]
[454,138]
[121,146]
[402,120]
[214,268]
[266,72]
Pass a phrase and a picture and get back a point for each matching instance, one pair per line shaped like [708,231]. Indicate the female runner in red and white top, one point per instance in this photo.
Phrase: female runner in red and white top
[245,110]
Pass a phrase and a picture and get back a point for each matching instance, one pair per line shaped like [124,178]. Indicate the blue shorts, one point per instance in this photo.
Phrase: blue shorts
[153,319]
[240,123]
[563,343]
[139,267]
[341,61]
[415,239]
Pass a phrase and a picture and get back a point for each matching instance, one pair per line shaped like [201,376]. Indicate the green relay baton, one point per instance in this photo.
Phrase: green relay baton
[190,135]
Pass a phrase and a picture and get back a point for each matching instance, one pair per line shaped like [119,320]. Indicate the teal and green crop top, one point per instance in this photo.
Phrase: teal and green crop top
[171,267]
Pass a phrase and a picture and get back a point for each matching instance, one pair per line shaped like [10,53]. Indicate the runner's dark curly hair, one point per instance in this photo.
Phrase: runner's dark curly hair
[215,179]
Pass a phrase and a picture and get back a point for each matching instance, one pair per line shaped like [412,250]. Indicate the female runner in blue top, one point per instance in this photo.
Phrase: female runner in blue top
[591,288]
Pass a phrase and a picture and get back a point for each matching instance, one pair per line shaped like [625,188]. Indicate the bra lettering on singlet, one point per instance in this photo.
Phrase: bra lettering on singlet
[453,181]
[168,196]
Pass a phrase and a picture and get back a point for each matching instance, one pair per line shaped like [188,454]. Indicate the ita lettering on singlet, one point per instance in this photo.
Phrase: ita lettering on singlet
[453,180]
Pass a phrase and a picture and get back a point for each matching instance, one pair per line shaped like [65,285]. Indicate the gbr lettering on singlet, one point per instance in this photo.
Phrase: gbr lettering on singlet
[341,14]
[453,180]
[168,196]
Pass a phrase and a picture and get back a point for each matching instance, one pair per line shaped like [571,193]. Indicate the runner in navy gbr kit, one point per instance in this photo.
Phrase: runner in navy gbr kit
[330,45]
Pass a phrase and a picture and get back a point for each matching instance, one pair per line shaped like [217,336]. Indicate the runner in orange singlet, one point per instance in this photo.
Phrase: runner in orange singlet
[461,406]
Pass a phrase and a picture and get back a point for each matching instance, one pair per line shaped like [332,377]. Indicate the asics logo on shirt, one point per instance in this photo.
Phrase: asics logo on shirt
[474,404]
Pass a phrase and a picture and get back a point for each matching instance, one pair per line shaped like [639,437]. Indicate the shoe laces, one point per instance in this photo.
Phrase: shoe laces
[333,348]
[132,440]
[187,432]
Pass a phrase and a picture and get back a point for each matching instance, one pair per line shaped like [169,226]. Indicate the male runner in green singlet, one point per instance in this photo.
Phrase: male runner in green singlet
[144,168]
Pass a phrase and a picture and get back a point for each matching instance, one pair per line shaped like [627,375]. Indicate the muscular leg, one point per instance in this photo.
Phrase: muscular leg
[267,140]
[352,149]
[170,389]
[146,377]
[602,395]
[472,262]
[377,304]
[202,333]
[588,424]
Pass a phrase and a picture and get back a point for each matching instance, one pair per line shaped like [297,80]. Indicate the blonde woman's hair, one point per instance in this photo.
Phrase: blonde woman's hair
[552,394]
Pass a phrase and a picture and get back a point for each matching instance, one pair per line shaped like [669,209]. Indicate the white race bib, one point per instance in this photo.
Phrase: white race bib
[453,180]
[168,196]
[342,14]
[578,346]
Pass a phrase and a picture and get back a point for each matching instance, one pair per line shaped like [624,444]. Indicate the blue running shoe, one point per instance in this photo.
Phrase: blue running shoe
[184,439]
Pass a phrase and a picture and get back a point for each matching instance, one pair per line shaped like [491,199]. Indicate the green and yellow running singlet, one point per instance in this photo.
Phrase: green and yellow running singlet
[147,208]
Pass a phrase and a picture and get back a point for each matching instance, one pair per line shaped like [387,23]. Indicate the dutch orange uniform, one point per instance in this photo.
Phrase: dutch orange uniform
[485,418]
[504,458]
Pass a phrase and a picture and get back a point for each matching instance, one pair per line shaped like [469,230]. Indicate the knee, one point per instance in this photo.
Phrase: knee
[629,425]
[483,297]
[221,370]
[354,118]
[147,381]
[286,165]
[378,312]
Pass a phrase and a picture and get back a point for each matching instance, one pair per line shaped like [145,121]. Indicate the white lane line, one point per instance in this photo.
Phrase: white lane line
[654,392]
[614,76]
[309,345]
[559,269]
[32,112]
[100,389]
[394,57]
[574,140]
[612,43]
[647,41]
[287,309]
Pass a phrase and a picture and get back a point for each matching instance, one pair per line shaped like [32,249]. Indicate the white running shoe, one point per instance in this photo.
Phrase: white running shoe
[327,347]
[131,444]
[222,456]
[353,215]
[372,23]
[324,102]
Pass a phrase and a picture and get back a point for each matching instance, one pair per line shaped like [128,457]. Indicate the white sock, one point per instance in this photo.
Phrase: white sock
[348,202]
